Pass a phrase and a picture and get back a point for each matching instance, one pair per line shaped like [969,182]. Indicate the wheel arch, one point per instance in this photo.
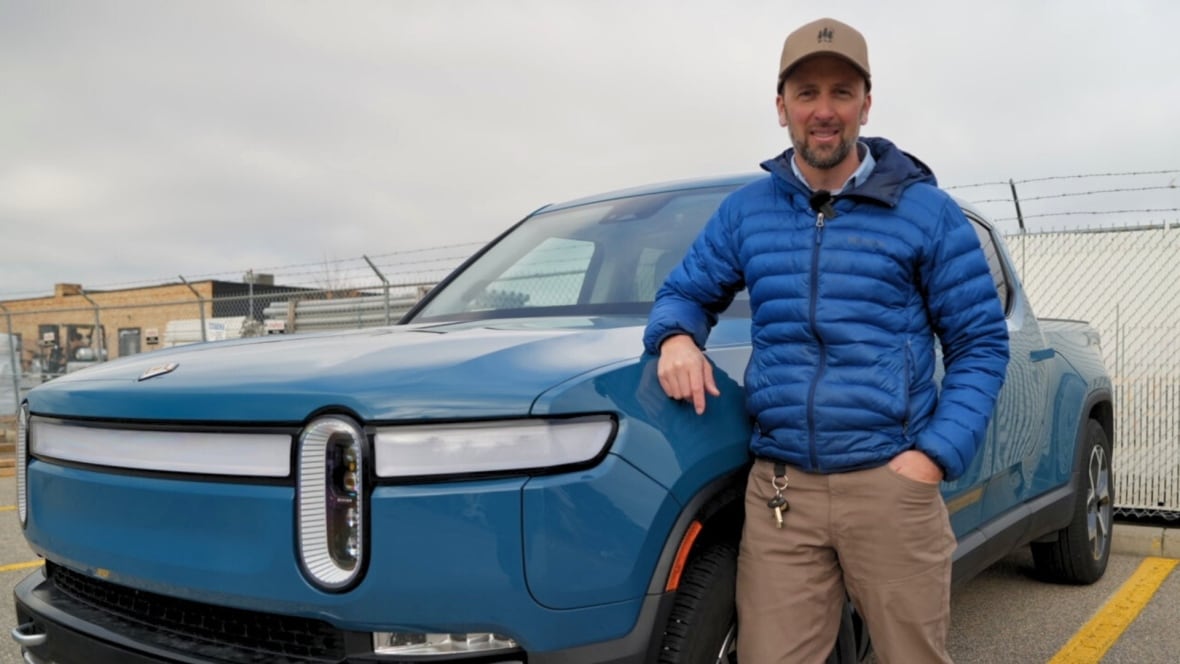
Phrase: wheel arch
[717,508]
[1099,406]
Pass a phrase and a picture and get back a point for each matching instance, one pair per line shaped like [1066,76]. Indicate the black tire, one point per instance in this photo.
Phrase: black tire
[702,628]
[1082,549]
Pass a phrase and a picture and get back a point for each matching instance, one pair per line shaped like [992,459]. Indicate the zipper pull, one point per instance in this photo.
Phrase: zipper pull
[821,202]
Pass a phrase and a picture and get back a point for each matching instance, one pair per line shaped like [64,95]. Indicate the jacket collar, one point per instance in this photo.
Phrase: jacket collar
[894,172]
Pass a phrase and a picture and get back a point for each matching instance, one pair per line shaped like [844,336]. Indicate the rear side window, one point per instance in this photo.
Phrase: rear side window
[994,263]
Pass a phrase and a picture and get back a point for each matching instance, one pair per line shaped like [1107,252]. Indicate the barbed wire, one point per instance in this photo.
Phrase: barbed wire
[1095,175]
[1078,176]
[1095,192]
[992,200]
[1086,212]
[975,185]
[320,264]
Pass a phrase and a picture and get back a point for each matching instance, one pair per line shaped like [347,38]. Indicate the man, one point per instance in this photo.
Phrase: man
[854,260]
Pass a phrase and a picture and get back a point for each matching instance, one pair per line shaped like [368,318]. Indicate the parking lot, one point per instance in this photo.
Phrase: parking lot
[1004,615]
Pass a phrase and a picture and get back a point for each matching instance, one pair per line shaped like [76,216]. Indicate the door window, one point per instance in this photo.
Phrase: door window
[994,263]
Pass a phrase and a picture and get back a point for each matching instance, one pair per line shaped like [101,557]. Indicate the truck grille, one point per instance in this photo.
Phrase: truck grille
[222,634]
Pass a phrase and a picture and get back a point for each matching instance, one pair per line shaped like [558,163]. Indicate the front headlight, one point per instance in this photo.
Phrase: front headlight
[485,447]
[331,502]
[22,462]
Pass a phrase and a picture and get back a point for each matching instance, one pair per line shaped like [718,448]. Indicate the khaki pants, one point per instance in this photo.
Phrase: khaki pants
[882,537]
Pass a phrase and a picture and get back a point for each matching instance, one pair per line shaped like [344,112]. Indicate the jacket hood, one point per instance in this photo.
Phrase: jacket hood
[894,171]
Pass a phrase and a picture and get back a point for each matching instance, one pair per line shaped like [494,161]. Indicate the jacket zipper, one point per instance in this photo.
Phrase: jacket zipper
[909,371]
[823,354]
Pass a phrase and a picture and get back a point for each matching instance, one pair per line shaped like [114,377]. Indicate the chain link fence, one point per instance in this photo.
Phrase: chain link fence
[1122,277]
[1126,283]
[1124,280]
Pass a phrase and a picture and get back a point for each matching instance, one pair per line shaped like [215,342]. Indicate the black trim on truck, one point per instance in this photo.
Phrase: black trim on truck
[78,633]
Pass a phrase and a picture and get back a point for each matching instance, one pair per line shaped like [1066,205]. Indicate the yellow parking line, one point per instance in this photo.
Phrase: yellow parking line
[7,508]
[1092,641]
[15,566]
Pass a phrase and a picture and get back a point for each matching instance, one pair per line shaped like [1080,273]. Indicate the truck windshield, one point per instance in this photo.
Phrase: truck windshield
[602,258]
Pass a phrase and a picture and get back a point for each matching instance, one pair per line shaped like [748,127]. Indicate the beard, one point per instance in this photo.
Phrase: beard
[823,160]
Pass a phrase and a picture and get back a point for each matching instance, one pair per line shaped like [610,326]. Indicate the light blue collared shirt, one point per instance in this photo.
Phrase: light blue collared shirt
[862,172]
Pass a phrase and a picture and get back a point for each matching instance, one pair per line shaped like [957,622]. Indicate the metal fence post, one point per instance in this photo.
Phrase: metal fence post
[200,306]
[13,359]
[98,339]
[384,281]
[250,279]
[1019,220]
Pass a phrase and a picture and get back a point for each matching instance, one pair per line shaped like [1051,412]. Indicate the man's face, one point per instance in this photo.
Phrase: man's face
[822,104]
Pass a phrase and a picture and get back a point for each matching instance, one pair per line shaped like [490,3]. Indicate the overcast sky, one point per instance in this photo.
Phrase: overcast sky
[142,139]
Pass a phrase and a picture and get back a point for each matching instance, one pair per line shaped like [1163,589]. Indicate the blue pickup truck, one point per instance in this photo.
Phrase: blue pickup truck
[497,479]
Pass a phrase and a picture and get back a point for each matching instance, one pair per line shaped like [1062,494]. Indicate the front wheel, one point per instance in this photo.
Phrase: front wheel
[702,628]
[1082,549]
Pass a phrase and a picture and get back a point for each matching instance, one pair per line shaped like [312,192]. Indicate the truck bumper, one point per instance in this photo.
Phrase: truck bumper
[55,628]
[69,636]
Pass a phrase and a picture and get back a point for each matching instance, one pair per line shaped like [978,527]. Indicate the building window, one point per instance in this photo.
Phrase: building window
[129,341]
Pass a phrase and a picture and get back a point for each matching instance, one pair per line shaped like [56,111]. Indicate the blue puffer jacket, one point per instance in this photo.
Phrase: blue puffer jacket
[845,313]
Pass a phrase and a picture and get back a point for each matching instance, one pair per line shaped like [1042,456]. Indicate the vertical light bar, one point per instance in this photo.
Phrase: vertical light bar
[330,500]
[22,462]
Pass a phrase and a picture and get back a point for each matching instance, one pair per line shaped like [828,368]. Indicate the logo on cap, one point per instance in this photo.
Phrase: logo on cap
[831,38]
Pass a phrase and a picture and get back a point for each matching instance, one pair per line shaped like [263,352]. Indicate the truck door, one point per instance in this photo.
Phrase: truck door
[1017,431]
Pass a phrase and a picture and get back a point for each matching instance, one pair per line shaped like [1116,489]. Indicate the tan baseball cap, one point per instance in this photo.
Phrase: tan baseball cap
[827,36]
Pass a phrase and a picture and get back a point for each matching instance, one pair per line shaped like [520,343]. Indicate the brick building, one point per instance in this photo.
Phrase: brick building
[54,331]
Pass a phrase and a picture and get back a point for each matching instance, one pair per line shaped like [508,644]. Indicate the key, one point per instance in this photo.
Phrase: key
[779,504]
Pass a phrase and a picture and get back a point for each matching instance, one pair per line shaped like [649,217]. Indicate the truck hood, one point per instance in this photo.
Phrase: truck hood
[444,371]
